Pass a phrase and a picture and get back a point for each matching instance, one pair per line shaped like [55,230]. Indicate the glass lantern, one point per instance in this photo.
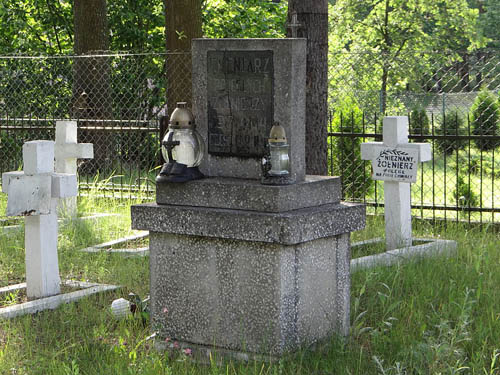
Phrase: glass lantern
[276,165]
[182,148]
[278,150]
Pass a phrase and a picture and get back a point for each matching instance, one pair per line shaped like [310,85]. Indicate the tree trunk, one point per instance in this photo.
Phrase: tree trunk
[183,23]
[313,16]
[91,85]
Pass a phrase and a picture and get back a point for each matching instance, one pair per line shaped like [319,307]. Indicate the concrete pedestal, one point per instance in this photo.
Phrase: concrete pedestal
[246,280]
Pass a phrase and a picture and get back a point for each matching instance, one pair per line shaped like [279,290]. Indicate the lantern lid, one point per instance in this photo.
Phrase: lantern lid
[181,117]
[277,134]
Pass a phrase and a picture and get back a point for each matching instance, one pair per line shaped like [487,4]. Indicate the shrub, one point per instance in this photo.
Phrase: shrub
[419,121]
[346,152]
[452,123]
[464,195]
[484,119]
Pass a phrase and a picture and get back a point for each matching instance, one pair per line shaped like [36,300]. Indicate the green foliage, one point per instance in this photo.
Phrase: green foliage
[419,121]
[379,47]
[244,18]
[489,20]
[36,26]
[137,25]
[484,115]
[452,123]
[346,152]
[464,195]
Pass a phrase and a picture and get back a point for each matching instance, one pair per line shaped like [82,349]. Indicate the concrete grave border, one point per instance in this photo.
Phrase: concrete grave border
[432,247]
[50,303]
[106,246]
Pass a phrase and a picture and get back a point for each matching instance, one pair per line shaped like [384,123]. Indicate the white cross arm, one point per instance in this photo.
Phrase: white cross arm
[368,150]
[7,177]
[27,194]
[64,185]
[424,150]
[75,150]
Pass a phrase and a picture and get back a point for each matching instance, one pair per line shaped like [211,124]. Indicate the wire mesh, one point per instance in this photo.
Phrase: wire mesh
[452,102]
[118,101]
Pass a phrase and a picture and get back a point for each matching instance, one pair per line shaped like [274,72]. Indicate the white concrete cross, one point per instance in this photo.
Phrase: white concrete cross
[67,150]
[33,193]
[395,162]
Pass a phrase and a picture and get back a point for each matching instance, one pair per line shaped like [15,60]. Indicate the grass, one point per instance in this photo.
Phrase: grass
[428,316]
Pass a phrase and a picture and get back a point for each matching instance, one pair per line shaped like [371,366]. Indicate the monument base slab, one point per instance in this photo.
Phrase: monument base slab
[244,280]
[250,296]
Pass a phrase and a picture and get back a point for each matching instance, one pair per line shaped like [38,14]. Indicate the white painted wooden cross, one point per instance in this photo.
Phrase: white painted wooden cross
[33,193]
[67,150]
[395,161]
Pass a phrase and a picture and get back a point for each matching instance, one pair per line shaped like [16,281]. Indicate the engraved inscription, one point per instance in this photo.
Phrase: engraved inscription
[240,102]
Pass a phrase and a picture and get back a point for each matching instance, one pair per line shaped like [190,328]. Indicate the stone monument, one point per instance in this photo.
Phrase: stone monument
[34,193]
[235,265]
[395,161]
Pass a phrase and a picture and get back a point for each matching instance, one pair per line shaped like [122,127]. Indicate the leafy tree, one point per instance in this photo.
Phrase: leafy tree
[485,114]
[91,85]
[386,35]
[489,19]
[244,19]
[183,23]
[136,25]
[36,26]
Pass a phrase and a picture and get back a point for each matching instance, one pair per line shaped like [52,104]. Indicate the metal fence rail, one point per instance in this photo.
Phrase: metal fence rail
[461,183]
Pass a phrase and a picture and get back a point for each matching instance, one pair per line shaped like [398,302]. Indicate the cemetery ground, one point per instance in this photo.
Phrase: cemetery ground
[437,315]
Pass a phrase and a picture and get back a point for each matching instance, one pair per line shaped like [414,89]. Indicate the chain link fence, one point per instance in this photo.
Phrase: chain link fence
[118,100]
[452,100]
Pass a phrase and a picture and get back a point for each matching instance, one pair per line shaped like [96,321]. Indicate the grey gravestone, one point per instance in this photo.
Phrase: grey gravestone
[240,86]
[240,102]
[235,264]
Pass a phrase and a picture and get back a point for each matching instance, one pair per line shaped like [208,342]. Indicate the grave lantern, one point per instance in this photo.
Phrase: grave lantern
[182,148]
[276,165]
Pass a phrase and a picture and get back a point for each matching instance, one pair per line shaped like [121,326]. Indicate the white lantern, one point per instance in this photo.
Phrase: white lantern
[182,148]
[278,149]
[276,166]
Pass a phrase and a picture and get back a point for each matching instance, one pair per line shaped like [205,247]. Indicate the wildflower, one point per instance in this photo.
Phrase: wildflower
[165,310]
[188,351]
[167,339]
[176,344]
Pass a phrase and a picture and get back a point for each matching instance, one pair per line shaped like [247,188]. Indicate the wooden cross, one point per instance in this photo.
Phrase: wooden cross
[395,162]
